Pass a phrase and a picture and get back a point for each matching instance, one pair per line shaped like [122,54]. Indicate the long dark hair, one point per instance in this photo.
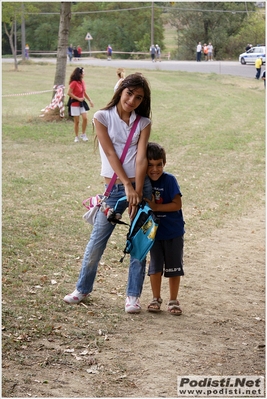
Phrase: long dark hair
[76,74]
[134,81]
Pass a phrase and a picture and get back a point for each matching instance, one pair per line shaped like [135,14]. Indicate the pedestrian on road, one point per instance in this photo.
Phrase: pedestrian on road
[205,51]
[258,64]
[70,52]
[109,52]
[199,48]
[210,52]
[79,49]
[158,53]
[27,51]
[75,54]
[153,52]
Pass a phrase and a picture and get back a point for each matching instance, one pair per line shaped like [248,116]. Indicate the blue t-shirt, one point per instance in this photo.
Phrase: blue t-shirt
[171,224]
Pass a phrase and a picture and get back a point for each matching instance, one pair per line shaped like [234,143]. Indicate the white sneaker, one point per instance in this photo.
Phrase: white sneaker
[84,137]
[75,297]
[76,140]
[132,304]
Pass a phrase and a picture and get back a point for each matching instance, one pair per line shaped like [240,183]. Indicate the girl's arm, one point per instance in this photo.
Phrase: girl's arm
[115,163]
[141,166]
[89,99]
[141,160]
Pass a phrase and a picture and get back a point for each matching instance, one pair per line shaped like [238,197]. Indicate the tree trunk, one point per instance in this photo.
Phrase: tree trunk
[12,46]
[63,37]
[23,37]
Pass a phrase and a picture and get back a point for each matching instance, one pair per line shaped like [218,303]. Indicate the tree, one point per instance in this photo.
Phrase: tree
[124,25]
[63,37]
[11,15]
[214,22]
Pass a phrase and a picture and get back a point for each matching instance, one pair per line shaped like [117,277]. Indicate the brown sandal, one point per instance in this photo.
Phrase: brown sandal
[174,308]
[154,305]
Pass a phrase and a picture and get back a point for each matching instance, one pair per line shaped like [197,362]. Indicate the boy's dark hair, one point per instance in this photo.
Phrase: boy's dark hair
[155,151]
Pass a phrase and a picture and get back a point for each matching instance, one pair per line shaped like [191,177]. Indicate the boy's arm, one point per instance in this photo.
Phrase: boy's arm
[175,205]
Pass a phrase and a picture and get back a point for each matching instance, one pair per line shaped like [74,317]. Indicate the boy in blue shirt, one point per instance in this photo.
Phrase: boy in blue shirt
[166,255]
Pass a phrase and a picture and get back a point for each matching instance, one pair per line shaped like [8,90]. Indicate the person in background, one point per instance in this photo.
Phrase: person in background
[70,52]
[205,51]
[27,51]
[166,254]
[199,48]
[75,53]
[153,52]
[120,75]
[109,52]
[263,78]
[79,50]
[210,52]
[113,124]
[258,64]
[158,53]
[77,93]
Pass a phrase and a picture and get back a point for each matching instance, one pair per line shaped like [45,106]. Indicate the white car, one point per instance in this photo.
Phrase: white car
[250,56]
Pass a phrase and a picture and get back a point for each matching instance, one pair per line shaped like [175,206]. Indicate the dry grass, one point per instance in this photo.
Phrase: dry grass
[213,129]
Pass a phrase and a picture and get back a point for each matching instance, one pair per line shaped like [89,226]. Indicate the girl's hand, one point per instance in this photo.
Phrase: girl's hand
[133,199]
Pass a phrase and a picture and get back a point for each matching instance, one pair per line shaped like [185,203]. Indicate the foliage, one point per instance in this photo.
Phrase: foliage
[127,26]
[113,22]
[253,33]
[116,26]
[215,22]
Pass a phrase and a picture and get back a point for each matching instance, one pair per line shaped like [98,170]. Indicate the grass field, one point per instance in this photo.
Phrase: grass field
[213,130]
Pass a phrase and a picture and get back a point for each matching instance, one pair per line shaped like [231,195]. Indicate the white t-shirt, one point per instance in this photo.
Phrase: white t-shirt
[210,48]
[118,132]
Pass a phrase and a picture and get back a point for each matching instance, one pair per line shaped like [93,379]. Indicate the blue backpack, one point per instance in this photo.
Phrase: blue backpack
[142,231]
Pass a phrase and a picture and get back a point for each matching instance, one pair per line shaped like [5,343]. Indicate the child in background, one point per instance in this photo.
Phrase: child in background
[77,92]
[166,255]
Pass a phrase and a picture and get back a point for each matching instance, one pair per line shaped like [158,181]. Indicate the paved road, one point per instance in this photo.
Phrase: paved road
[219,67]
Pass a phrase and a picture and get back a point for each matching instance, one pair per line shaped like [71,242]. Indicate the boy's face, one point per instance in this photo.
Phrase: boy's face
[155,168]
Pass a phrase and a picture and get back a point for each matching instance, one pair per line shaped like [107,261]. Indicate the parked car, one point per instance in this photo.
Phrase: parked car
[250,56]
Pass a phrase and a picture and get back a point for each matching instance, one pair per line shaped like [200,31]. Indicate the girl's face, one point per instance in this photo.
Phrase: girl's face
[131,98]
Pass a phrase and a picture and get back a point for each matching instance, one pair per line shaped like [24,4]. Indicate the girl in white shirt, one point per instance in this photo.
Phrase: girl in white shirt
[113,125]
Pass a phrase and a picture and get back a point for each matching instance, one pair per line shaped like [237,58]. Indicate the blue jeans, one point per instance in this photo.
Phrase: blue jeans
[101,232]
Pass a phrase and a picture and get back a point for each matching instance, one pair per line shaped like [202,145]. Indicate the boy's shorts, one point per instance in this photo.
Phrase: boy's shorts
[166,256]
[77,111]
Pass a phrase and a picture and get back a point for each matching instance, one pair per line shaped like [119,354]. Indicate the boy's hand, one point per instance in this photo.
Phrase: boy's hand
[151,203]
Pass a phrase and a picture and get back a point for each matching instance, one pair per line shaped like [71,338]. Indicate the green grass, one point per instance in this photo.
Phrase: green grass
[213,130]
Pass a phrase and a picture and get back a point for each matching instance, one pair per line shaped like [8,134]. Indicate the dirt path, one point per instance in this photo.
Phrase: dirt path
[220,333]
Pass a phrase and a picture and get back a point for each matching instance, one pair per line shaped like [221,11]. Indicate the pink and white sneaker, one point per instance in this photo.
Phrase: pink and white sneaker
[132,304]
[75,297]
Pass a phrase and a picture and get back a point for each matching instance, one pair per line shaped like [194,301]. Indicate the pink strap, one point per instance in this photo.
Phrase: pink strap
[123,155]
